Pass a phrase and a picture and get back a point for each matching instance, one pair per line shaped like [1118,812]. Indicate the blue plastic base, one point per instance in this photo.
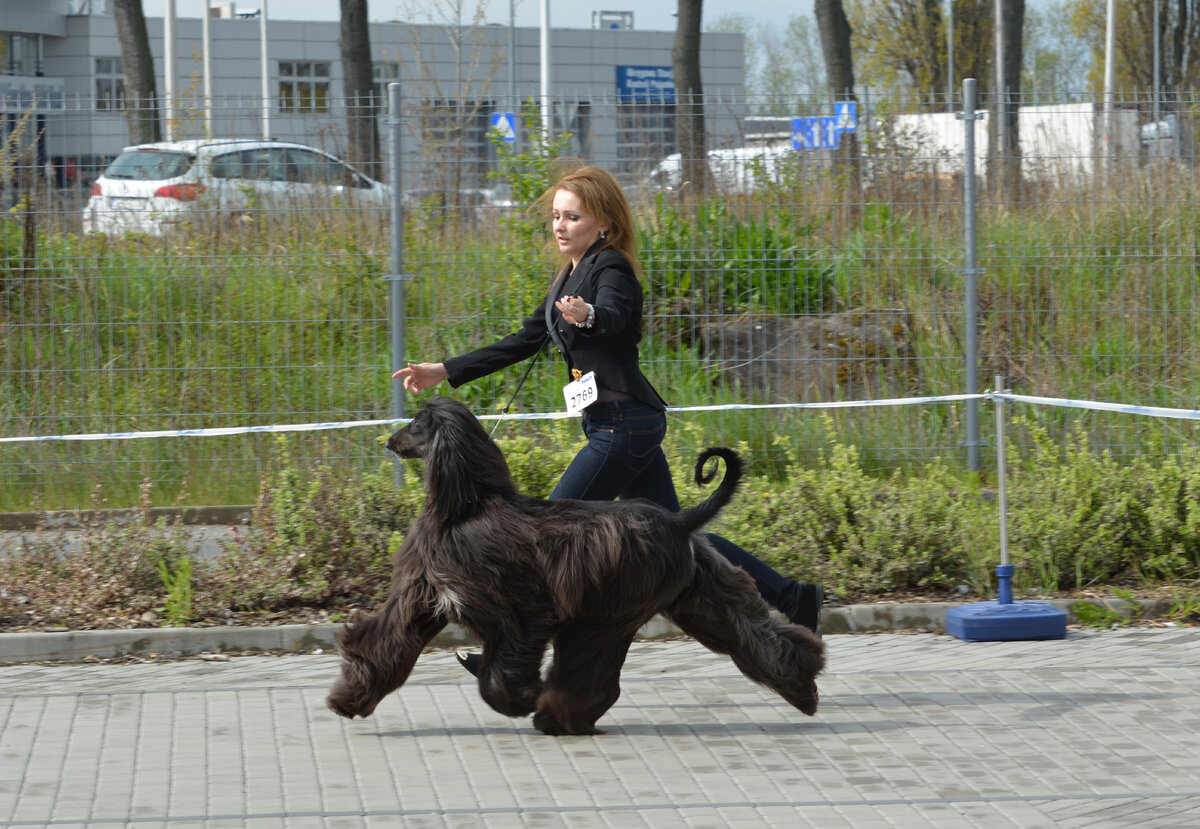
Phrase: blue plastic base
[996,622]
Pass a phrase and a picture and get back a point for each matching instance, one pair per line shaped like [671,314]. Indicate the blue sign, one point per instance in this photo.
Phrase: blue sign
[506,124]
[819,133]
[846,115]
[646,83]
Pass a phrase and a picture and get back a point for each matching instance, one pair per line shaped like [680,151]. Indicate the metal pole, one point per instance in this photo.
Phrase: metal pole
[969,272]
[950,52]
[397,277]
[1110,74]
[1000,161]
[266,74]
[1157,79]
[170,71]
[1001,482]
[206,39]
[515,107]
[547,125]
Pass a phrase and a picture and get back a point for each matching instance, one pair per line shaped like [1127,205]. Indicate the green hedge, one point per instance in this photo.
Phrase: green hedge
[321,539]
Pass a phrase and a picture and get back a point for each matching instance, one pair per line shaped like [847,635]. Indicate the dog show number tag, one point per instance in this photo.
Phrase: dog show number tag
[581,393]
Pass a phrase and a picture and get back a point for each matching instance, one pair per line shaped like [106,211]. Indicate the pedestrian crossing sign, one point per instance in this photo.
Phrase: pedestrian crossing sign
[505,124]
[845,115]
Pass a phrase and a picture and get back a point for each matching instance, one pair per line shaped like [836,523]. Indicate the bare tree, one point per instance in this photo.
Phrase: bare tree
[839,72]
[1055,57]
[689,97]
[453,113]
[355,43]
[1176,43]
[141,93]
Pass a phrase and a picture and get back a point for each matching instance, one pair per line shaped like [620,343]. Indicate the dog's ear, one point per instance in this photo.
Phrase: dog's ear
[463,467]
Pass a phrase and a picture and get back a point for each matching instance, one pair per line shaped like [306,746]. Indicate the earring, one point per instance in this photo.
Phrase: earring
[603,235]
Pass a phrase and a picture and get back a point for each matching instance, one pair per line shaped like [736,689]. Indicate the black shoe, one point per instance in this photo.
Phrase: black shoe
[807,611]
[470,661]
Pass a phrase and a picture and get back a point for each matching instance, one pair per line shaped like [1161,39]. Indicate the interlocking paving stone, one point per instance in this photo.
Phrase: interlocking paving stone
[1101,729]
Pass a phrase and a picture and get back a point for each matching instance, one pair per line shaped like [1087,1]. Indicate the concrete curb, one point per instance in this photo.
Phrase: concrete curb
[78,519]
[76,645]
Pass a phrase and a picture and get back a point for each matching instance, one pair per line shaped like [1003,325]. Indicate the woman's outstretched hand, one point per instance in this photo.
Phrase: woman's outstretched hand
[421,376]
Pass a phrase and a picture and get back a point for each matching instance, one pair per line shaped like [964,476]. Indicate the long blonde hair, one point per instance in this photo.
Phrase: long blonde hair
[603,199]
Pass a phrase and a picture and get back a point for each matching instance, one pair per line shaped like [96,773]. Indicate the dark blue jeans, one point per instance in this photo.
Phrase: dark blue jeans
[623,458]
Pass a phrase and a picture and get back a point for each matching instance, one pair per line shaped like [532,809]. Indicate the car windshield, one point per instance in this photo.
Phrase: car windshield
[149,165]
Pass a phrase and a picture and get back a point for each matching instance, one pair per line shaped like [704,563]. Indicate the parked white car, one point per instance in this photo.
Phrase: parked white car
[150,188]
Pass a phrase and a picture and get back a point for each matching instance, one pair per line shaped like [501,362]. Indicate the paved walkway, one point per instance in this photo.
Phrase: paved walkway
[1101,729]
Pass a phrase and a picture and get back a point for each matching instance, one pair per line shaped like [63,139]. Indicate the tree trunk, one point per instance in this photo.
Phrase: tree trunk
[361,128]
[141,92]
[689,99]
[839,70]
[1004,148]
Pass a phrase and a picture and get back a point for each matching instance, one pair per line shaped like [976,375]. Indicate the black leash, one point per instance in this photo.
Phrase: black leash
[517,390]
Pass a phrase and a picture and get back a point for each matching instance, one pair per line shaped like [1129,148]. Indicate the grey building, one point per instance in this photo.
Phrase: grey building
[611,88]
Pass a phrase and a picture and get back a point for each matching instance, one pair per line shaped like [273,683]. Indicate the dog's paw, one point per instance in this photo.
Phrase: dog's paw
[550,726]
[347,708]
[334,706]
[805,699]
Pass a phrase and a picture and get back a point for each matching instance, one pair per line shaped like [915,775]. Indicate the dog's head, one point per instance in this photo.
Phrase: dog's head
[441,421]
[463,467]
[411,440]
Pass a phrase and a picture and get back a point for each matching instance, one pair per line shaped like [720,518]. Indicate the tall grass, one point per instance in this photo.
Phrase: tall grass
[256,319]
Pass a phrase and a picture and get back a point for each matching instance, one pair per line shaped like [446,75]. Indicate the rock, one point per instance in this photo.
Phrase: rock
[856,355]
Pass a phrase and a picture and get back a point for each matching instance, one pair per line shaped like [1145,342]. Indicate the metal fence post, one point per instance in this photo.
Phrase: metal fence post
[1001,476]
[970,271]
[397,277]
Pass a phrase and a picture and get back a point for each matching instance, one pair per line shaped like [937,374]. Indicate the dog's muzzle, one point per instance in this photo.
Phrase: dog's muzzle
[401,444]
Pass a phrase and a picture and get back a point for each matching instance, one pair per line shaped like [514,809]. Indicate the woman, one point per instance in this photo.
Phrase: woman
[593,312]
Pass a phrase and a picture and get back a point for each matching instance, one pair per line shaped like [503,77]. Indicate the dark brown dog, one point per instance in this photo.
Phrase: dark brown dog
[520,573]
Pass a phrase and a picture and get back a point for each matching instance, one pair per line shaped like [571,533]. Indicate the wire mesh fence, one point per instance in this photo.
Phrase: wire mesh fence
[249,284]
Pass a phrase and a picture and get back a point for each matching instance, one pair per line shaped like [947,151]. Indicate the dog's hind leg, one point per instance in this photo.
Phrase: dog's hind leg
[723,611]
[585,677]
[510,672]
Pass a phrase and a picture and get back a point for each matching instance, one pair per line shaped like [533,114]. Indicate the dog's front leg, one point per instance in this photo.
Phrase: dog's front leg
[378,652]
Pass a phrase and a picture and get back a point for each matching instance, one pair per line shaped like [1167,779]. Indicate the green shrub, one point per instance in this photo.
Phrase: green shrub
[321,539]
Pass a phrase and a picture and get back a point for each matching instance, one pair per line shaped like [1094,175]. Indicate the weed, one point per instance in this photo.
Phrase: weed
[1094,615]
[177,581]
[1186,608]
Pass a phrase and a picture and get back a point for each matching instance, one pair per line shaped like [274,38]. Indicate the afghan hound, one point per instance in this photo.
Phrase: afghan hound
[521,573]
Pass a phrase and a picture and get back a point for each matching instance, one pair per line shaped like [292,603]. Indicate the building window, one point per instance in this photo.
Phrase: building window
[455,142]
[384,73]
[303,86]
[19,55]
[110,84]
[645,134]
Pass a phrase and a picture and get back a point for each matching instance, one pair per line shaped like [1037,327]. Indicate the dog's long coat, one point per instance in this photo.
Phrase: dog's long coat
[520,573]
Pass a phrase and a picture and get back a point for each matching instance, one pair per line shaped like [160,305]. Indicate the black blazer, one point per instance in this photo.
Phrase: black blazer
[607,281]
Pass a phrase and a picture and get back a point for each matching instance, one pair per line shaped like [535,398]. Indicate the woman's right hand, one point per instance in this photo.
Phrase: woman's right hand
[421,376]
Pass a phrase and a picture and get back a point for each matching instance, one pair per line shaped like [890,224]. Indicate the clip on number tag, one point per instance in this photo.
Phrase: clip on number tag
[581,392]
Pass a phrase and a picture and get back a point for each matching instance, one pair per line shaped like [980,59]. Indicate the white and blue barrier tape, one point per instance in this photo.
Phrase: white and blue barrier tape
[1154,411]
[1120,408]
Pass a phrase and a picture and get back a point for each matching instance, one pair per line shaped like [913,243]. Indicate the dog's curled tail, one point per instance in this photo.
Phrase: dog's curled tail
[696,517]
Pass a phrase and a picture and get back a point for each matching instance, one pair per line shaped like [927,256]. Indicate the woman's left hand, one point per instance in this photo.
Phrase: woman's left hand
[573,309]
